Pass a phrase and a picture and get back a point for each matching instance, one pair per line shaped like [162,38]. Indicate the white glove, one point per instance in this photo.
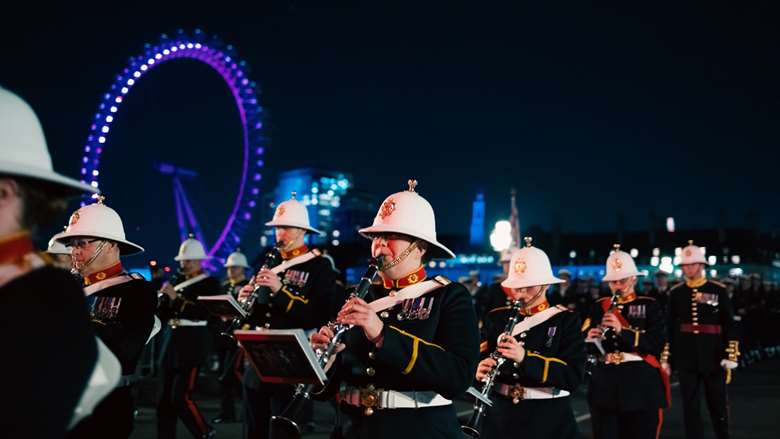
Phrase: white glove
[727,364]
[667,368]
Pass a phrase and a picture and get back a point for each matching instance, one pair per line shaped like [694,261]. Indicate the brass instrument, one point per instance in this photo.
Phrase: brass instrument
[471,429]
[282,426]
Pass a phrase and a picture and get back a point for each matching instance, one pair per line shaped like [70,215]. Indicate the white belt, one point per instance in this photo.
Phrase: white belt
[391,399]
[520,392]
[621,357]
[186,322]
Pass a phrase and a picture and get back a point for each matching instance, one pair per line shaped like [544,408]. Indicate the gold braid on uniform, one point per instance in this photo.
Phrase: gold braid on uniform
[547,361]
[733,351]
[415,348]
[665,353]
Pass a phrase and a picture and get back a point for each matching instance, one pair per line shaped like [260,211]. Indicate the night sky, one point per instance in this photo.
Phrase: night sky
[591,113]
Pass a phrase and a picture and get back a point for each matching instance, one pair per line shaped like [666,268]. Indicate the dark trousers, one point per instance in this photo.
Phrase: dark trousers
[538,418]
[261,402]
[175,400]
[229,381]
[639,424]
[112,417]
[714,385]
[424,423]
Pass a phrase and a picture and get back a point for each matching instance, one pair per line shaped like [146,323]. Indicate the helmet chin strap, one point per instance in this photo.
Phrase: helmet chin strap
[536,296]
[398,259]
[94,256]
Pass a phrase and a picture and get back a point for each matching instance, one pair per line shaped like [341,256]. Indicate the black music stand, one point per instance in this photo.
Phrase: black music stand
[223,305]
[281,356]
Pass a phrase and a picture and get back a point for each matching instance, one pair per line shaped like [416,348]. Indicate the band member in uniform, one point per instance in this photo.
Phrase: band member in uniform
[415,341]
[121,307]
[46,365]
[703,346]
[493,295]
[227,351]
[628,390]
[300,294]
[184,342]
[545,356]
[60,254]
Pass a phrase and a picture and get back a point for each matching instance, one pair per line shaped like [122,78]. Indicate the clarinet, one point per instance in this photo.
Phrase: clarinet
[471,429]
[282,426]
[593,357]
[259,293]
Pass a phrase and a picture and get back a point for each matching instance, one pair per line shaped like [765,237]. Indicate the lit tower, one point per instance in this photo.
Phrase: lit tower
[477,236]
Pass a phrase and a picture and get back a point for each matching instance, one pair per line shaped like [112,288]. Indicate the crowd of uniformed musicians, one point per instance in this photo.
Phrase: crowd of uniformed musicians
[415,342]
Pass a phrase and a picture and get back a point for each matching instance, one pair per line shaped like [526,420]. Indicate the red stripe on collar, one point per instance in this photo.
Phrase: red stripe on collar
[14,247]
[294,252]
[114,270]
[410,279]
[536,309]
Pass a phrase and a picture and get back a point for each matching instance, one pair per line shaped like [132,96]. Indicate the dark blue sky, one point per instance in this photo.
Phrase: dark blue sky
[590,112]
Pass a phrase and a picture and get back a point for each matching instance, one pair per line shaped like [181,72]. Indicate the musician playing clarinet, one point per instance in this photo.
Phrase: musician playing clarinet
[415,341]
[184,342]
[628,389]
[300,292]
[544,356]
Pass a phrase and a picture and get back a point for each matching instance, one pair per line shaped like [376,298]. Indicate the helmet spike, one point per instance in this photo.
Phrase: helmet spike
[528,241]
[412,184]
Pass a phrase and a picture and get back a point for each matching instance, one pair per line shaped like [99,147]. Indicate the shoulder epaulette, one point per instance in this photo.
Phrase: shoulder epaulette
[562,308]
[677,285]
[137,276]
[316,252]
[442,280]
[645,297]
[601,299]
[500,308]
[720,284]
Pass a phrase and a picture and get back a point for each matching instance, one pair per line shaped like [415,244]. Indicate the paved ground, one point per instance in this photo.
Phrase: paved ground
[754,396]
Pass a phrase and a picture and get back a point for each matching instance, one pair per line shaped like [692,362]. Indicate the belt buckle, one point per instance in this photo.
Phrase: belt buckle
[174,323]
[369,398]
[614,358]
[516,392]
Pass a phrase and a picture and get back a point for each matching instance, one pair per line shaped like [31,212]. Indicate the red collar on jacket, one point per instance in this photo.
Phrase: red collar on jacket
[106,273]
[294,252]
[412,278]
[14,247]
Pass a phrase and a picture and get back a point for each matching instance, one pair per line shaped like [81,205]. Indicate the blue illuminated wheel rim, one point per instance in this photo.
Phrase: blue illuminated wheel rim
[221,57]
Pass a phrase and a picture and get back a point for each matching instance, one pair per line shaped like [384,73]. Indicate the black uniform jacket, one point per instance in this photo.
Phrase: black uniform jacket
[49,352]
[707,306]
[555,352]
[185,346]
[634,385]
[123,317]
[308,296]
[436,349]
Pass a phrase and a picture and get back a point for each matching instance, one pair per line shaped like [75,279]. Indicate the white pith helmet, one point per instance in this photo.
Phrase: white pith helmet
[57,248]
[620,265]
[98,221]
[410,214]
[692,254]
[23,146]
[191,249]
[292,213]
[529,267]
[236,259]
